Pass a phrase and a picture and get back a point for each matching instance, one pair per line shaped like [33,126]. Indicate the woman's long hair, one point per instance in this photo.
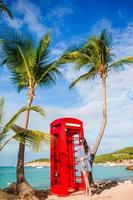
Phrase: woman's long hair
[86,147]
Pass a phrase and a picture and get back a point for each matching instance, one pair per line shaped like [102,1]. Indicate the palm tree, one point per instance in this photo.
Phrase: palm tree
[30,67]
[4,8]
[29,137]
[96,55]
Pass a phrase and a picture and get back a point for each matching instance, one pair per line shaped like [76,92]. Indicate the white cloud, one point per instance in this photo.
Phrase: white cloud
[16,23]
[28,15]
[123,41]
[31,17]
[59,12]
[56,18]
[58,49]
[100,25]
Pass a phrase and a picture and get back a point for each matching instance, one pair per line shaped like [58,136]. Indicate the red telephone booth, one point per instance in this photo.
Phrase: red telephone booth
[65,176]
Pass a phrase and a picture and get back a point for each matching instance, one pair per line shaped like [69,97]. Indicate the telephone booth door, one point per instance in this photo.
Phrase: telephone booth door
[65,175]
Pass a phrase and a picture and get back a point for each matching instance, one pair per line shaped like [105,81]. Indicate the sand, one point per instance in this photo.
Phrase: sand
[124,191]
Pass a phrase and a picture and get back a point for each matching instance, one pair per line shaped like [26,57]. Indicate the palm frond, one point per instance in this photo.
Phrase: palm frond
[106,38]
[4,8]
[19,56]
[105,44]
[83,55]
[119,65]
[19,80]
[42,54]
[45,73]
[38,109]
[69,57]
[71,54]
[87,76]
[33,138]
[29,66]
[84,60]
[77,55]
[48,74]
[24,61]
[13,120]
[102,47]
[42,50]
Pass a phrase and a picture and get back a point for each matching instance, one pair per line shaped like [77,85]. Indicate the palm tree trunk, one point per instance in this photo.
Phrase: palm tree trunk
[20,162]
[24,189]
[104,120]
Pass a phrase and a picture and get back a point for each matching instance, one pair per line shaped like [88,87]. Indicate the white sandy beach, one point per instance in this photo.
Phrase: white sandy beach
[124,191]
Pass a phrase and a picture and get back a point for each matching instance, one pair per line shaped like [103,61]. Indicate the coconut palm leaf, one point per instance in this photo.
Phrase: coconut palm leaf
[37,109]
[19,56]
[106,38]
[118,65]
[33,138]
[72,54]
[13,120]
[43,51]
[29,65]
[48,74]
[4,8]
[87,76]
[69,57]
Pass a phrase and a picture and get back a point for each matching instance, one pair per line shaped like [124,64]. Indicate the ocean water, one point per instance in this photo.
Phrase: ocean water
[39,178]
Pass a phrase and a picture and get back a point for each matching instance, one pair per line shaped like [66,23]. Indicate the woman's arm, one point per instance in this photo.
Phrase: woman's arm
[82,158]
[89,153]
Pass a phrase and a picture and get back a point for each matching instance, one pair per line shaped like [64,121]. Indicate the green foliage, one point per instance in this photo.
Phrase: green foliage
[29,65]
[37,109]
[96,56]
[117,156]
[33,138]
[13,120]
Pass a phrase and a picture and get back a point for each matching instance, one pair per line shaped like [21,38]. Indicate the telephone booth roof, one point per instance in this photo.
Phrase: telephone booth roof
[66,120]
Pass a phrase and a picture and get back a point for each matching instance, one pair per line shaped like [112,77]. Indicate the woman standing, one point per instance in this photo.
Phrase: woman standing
[84,155]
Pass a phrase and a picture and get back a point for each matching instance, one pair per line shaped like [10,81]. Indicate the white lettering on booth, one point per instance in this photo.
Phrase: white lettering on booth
[71,124]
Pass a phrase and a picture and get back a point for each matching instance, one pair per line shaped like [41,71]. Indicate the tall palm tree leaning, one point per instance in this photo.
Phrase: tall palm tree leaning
[4,8]
[30,67]
[97,57]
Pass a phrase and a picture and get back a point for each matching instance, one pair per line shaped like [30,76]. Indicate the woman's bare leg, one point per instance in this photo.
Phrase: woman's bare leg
[87,185]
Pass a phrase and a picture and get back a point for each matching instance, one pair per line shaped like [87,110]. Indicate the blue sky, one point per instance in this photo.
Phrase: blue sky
[72,22]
